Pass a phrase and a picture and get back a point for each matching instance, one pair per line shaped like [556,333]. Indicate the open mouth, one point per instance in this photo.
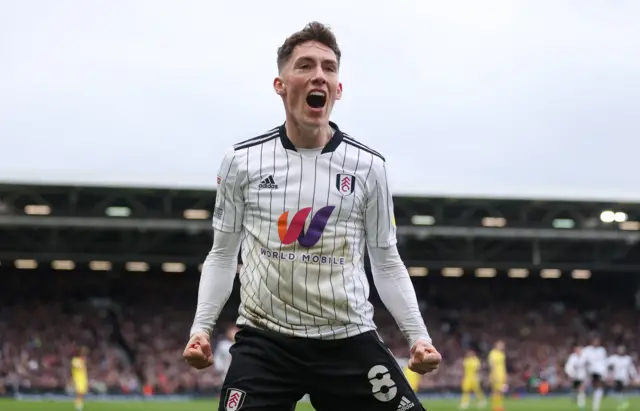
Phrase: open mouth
[316,99]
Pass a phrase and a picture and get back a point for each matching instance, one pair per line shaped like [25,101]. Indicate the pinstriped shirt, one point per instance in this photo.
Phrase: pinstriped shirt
[305,220]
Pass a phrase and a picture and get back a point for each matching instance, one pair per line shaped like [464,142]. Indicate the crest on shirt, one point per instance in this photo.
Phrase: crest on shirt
[234,400]
[345,183]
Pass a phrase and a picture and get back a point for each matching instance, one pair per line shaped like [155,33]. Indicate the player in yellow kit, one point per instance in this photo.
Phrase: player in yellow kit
[412,377]
[79,377]
[498,375]
[471,381]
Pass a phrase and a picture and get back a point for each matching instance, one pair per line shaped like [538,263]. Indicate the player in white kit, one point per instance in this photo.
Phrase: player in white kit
[623,372]
[596,357]
[303,201]
[222,353]
[576,369]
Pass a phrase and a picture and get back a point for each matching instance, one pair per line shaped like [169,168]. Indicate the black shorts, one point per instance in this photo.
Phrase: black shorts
[577,384]
[271,372]
[618,386]
[596,380]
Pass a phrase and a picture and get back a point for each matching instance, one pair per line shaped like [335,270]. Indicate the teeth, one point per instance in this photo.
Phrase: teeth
[317,93]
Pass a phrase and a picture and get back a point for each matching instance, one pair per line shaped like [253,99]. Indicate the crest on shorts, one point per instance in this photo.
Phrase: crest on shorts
[345,183]
[234,400]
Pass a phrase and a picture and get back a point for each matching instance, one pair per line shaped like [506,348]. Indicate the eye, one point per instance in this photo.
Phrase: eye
[304,66]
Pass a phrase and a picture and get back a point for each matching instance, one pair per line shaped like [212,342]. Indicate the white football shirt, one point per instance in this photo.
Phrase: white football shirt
[576,367]
[596,359]
[622,368]
[305,218]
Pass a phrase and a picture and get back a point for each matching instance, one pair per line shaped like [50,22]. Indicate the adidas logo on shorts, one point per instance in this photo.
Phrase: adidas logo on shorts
[405,404]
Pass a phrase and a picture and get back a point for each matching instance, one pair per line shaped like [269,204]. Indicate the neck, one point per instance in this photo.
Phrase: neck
[303,137]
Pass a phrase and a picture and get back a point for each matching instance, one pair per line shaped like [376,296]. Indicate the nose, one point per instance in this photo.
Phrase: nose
[319,77]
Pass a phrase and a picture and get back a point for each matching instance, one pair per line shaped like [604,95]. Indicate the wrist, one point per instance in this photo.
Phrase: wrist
[424,338]
[200,330]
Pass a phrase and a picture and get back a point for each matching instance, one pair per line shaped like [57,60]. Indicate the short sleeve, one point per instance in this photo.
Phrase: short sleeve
[380,225]
[229,209]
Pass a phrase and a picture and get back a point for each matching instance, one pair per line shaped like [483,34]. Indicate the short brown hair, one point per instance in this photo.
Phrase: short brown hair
[313,31]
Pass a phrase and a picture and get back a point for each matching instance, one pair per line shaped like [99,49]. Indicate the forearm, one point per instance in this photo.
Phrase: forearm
[216,280]
[397,293]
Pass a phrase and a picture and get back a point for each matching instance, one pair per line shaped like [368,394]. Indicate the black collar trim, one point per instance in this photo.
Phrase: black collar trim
[331,146]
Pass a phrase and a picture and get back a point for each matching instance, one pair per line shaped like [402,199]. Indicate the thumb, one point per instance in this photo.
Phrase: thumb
[432,357]
[206,348]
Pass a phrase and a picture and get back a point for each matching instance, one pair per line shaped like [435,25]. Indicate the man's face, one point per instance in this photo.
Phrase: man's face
[309,84]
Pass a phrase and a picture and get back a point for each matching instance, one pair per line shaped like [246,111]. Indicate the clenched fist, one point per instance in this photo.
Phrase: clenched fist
[198,352]
[424,358]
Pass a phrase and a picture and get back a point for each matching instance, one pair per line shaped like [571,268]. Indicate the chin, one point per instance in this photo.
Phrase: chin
[317,117]
[311,121]
[316,121]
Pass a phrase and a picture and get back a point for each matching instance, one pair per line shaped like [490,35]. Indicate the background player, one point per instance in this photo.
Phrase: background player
[303,202]
[498,375]
[471,381]
[412,377]
[576,370]
[221,355]
[623,373]
[596,358]
[80,377]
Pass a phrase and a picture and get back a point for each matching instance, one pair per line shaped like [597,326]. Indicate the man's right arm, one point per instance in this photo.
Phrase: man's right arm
[569,366]
[219,268]
[216,281]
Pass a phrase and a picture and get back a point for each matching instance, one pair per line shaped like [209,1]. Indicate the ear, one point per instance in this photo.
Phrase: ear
[278,86]
[339,91]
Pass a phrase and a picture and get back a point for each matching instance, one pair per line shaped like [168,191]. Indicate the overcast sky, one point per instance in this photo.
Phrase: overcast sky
[536,98]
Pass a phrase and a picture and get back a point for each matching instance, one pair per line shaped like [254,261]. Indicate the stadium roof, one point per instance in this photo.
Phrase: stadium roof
[155,226]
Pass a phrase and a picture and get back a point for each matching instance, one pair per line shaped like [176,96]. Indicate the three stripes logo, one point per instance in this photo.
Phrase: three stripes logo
[295,230]
[268,182]
[405,404]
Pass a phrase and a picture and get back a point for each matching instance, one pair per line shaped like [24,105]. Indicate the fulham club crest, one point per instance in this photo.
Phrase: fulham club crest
[235,398]
[345,183]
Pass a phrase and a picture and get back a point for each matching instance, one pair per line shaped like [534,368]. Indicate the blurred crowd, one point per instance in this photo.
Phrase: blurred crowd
[136,329]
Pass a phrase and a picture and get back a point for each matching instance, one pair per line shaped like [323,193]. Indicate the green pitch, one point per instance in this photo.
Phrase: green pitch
[608,404]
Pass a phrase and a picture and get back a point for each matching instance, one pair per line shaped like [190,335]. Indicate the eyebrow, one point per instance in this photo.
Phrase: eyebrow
[310,59]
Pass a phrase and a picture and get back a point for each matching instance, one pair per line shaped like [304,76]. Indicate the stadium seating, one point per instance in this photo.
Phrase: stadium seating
[136,328]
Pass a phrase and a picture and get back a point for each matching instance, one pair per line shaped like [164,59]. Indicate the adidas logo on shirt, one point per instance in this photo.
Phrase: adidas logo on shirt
[268,182]
[405,404]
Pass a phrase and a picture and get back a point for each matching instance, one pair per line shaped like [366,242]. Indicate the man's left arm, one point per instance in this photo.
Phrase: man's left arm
[389,272]
[397,293]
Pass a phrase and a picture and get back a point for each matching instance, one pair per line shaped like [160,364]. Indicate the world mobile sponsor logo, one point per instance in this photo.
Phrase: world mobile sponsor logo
[302,257]
[295,230]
